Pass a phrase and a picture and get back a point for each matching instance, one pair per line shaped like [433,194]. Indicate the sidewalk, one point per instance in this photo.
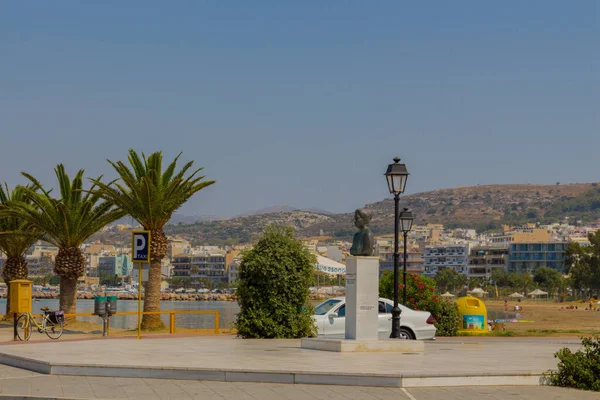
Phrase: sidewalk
[446,362]
[18,383]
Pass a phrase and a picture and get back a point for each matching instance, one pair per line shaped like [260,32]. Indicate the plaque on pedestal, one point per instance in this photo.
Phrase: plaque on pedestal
[362,298]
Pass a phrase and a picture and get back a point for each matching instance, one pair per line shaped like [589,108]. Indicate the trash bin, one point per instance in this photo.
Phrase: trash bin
[112,301]
[99,305]
[473,314]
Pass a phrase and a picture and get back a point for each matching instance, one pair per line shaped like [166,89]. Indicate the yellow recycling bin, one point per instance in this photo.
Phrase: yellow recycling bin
[20,296]
[473,315]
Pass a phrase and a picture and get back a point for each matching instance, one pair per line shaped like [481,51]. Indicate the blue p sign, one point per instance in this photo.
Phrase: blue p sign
[140,246]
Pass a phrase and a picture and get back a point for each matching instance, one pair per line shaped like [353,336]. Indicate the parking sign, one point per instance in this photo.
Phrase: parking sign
[140,246]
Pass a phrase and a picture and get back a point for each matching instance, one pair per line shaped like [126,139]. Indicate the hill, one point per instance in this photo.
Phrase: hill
[481,207]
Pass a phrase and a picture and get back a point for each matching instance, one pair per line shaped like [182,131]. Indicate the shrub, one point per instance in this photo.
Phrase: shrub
[420,295]
[447,318]
[273,288]
[579,370]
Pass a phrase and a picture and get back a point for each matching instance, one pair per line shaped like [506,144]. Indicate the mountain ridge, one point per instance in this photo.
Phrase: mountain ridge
[481,207]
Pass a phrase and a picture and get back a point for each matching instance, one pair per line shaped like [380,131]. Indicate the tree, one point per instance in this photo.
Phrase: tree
[583,264]
[448,279]
[65,222]
[16,236]
[548,278]
[273,287]
[524,281]
[500,277]
[151,196]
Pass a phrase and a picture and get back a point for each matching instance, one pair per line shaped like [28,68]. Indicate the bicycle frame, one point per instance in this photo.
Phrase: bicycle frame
[39,326]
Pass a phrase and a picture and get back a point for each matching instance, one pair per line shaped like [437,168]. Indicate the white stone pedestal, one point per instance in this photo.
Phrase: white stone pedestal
[362,315]
[362,298]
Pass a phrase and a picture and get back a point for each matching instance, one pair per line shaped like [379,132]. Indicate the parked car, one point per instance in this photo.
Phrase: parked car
[330,317]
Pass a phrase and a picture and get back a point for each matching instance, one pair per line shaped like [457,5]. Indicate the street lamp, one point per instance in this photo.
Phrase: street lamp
[396,176]
[406,221]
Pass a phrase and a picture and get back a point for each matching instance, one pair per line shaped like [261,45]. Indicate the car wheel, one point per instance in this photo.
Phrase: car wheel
[406,334]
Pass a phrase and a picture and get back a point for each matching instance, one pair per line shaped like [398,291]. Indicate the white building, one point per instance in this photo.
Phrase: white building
[233,271]
[453,256]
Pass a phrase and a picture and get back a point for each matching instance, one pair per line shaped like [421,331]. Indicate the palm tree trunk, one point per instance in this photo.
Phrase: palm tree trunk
[69,264]
[158,250]
[68,296]
[152,298]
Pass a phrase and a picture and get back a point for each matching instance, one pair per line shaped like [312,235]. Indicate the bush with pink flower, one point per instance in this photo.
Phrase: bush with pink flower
[421,296]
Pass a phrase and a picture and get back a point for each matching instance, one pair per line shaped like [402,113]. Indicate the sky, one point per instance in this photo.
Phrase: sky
[304,103]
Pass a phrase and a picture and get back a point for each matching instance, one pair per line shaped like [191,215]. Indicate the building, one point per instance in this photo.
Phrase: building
[530,256]
[201,265]
[42,249]
[414,262]
[384,249]
[178,247]
[233,271]
[335,253]
[453,256]
[527,234]
[484,259]
[114,265]
[40,265]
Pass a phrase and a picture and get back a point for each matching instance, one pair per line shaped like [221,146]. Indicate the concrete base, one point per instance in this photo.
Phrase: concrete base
[461,361]
[363,346]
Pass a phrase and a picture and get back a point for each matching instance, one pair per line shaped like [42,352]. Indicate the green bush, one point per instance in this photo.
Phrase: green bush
[420,295]
[273,288]
[447,318]
[579,370]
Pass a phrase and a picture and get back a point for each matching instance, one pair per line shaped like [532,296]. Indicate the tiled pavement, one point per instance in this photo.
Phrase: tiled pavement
[18,383]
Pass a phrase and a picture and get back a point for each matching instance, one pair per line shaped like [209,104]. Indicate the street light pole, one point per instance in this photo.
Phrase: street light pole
[396,310]
[404,280]
[396,176]
[406,219]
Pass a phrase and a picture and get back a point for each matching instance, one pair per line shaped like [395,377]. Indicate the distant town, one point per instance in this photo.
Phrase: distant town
[431,248]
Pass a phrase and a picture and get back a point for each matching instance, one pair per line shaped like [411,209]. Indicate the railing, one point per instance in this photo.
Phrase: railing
[171,313]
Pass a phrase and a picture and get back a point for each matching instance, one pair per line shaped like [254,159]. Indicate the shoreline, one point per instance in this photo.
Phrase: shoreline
[133,296]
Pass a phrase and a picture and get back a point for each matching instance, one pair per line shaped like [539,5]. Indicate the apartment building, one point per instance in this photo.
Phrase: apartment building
[530,256]
[233,271]
[384,249]
[114,265]
[178,247]
[414,262]
[210,265]
[453,256]
[40,265]
[484,259]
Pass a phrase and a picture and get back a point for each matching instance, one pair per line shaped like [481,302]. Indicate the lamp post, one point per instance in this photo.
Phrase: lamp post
[396,176]
[406,220]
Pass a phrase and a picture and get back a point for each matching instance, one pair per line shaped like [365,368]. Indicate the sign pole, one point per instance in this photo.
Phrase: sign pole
[140,249]
[139,331]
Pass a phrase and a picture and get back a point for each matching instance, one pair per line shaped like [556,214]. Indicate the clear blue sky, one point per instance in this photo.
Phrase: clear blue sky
[304,103]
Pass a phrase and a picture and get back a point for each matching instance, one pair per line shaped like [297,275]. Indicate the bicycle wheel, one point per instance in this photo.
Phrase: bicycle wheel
[53,330]
[23,328]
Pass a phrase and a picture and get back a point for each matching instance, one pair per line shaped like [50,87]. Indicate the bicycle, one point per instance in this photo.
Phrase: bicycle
[52,324]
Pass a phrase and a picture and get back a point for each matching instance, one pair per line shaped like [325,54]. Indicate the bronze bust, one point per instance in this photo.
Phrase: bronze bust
[362,244]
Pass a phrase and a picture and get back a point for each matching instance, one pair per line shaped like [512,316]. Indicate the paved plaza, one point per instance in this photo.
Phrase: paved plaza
[21,384]
[462,361]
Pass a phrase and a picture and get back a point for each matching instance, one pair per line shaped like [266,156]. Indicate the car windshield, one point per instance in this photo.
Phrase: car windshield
[325,306]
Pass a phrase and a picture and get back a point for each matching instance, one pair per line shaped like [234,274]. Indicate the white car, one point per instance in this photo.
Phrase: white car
[330,318]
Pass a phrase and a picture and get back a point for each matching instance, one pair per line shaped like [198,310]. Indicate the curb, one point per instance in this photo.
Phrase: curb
[273,376]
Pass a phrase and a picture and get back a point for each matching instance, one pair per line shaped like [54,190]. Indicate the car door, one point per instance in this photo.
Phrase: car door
[336,325]
[384,317]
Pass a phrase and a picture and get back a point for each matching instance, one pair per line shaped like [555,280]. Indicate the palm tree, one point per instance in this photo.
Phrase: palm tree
[16,236]
[151,196]
[66,223]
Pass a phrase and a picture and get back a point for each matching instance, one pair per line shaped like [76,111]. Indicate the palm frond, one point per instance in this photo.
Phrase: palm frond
[146,192]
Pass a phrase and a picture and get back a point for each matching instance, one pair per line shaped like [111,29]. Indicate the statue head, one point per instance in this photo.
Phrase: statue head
[362,217]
